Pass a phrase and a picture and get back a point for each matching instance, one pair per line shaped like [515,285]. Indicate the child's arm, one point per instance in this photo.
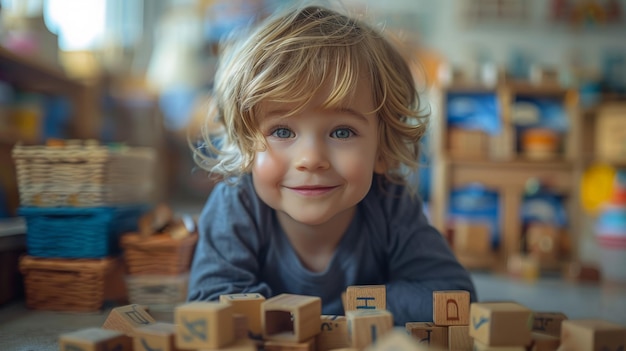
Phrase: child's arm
[226,259]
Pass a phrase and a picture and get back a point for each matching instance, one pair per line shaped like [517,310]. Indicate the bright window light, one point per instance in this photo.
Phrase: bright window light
[80,24]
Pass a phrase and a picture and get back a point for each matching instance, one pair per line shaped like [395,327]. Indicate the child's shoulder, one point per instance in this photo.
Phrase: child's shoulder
[393,198]
[235,190]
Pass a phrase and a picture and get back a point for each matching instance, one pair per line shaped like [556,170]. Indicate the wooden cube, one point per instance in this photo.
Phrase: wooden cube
[479,346]
[127,319]
[250,306]
[428,333]
[240,323]
[451,307]
[397,340]
[500,323]
[544,342]
[472,237]
[333,333]
[367,297]
[156,336]
[592,334]
[548,322]
[289,317]
[95,339]
[366,326]
[459,339]
[307,345]
[204,325]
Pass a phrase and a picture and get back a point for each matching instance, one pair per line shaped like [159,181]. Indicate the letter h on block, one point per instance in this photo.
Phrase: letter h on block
[204,325]
[290,317]
[366,297]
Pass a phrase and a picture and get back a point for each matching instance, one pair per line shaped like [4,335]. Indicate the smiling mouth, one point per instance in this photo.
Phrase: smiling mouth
[312,190]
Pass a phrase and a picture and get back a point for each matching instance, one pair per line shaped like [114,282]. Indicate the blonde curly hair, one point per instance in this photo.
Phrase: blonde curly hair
[287,59]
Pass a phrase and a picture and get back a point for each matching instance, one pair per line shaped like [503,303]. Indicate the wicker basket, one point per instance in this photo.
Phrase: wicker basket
[65,285]
[158,254]
[83,175]
[158,292]
[68,232]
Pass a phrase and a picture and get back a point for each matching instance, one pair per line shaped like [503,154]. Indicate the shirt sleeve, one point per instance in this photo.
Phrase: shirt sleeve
[420,262]
[227,256]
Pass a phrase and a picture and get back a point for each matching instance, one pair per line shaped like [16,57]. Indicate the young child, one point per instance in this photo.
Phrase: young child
[320,120]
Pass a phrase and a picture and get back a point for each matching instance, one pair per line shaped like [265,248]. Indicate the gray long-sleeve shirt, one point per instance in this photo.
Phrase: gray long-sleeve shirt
[242,249]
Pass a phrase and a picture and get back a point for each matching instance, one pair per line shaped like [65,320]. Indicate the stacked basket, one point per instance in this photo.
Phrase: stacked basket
[78,197]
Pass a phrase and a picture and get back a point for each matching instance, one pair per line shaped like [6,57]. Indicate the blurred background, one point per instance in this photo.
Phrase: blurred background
[522,164]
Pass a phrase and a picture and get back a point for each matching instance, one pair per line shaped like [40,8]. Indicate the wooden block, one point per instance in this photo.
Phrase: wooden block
[156,336]
[250,306]
[472,237]
[459,339]
[127,319]
[307,345]
[397,340]
[451,307]
[95,339]
[467,143]
[479,346]
[367,297]
[548,322]
[290,317]
[240,322]
[525,267]
[428,333]
[204,325]
[544,342]
[366,326]
[543,241]
[592,334]
[333,333]
[500,323]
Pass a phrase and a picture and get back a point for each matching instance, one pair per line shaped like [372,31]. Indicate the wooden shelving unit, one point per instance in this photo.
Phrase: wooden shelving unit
[504,168]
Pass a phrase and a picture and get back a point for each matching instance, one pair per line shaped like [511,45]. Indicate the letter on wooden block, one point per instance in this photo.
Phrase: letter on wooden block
[592,334]
[459,339]
[333,333]
[250,306]
[397,340]
[290,317]
[428,334]
[127,318]
[366,297]
[204,325]
[307,345]
[95,339]
[451,307]
[548,322]
[157,336]
[544,342]
[500,323]
[367,326]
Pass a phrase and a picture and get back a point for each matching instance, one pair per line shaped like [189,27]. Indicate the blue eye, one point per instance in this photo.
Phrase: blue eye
[342,133]
[282,133]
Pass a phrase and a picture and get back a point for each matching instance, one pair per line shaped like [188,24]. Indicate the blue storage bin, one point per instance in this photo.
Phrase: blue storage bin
[70,232]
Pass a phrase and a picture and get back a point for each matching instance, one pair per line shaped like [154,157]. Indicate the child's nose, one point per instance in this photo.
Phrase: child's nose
[312,155]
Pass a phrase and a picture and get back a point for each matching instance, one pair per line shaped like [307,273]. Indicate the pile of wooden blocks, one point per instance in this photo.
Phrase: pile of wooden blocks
[287,322]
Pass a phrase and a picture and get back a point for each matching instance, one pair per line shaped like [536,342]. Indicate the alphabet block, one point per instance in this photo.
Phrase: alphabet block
[127,319]
[544,342]
[367,297]
[367,326]
[451,307]
[95,339]
[250,306]
[157,336]
[459,339]
[500,323]
[307,345]
[428,334]
[479,346]
[240,323]
[548,322]
[204,325]
[333,333]
[397,340]
[289,317]
[592,334]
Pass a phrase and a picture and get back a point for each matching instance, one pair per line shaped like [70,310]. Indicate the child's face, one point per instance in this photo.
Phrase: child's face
[320,162]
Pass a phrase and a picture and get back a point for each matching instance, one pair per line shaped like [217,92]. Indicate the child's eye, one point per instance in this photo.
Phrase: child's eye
[282,133]
[342,133]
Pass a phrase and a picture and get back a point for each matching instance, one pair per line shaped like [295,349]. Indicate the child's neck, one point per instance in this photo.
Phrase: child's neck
[315,245]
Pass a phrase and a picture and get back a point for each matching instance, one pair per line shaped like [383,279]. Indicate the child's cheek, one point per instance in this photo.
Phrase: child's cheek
[265,165]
